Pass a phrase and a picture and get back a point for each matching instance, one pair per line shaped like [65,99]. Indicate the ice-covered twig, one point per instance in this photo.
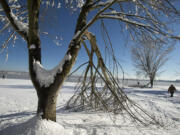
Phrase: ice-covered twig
[21,25]
[18,25]
[103,4]
[124,20]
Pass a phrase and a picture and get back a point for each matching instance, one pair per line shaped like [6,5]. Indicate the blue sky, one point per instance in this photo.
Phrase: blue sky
[63,27]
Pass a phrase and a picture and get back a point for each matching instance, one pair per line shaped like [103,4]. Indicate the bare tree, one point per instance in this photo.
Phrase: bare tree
[149,55]
[23,18]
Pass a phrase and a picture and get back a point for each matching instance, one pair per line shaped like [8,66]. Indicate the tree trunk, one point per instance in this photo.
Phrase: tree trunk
[151,82]
[47,96]
[47,105]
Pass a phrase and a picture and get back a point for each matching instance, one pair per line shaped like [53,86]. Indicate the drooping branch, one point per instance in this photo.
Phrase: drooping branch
[5,44]
[110,98]
[74,71]
[92,40]
[5,27]
[111,53]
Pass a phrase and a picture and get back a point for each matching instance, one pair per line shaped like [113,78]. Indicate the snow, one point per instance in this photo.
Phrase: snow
[59,5]
[80,3]
[46,33]
[35,126]
[46,77]
[22,26]
[114,11]
[76,35]
[122,18]
[101,3]
[18,104]
[32,47]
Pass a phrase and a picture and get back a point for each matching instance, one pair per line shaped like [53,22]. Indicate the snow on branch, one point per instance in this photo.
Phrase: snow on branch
[75,4]
[80,3]
[31,47]
[100,4]
[47,77]
[76,35]
[16,22]
[145,17]
[125,14]
[122,18]
[21,25]
[103,4]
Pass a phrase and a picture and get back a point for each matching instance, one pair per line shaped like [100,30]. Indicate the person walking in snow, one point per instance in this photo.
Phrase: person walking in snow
[171,90]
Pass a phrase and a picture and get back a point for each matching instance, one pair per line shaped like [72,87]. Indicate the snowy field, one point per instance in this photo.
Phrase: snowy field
[18,103]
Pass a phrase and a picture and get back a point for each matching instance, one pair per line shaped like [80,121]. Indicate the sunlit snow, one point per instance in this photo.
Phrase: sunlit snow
[18,104]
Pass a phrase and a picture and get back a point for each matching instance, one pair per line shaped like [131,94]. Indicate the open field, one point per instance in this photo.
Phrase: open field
[18,103]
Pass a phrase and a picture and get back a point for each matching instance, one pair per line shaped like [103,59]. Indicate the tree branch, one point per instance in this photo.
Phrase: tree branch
[33,14]
[95,18]
[103,4]
[13,20]
[124,20]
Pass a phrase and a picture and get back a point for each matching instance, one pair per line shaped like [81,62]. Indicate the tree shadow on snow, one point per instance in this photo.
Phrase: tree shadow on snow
[20,128]
[153,92]
[15,115]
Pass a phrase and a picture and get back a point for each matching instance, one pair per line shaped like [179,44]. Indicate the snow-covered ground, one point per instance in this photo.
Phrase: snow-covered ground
[18,103]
